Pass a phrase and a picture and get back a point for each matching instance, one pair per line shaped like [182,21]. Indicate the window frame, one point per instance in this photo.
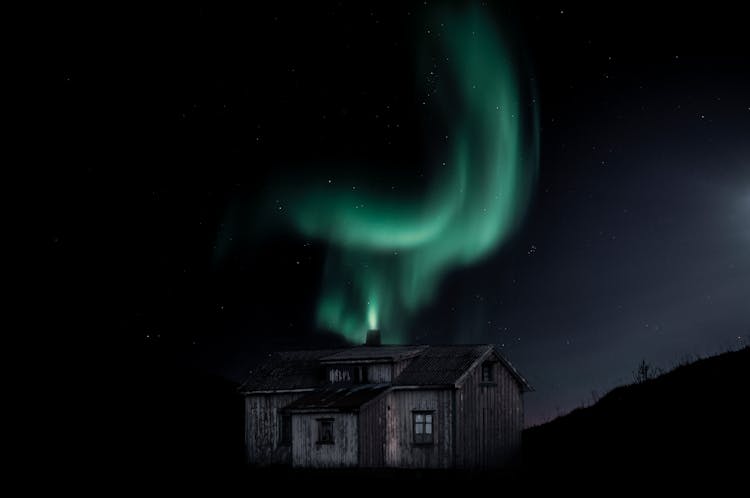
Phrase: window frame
[421,437]
[488,367]
[321,423]
[285,429]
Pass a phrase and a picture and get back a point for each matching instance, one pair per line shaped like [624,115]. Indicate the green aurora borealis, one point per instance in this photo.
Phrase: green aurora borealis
[388,254]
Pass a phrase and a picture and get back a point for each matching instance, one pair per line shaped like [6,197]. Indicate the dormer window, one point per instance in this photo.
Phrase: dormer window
[423,427]
[360,375]
[355,374]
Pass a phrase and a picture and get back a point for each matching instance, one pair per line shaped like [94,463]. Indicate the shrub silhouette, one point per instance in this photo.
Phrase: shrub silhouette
[644,372]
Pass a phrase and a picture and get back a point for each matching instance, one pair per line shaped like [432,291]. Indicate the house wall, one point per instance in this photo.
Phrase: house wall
[262,428]
[489,419]
[481,422]
[386,372]
[376,373]
[341,374]
[306,452]
[400,450]
[372,433]
[380,373]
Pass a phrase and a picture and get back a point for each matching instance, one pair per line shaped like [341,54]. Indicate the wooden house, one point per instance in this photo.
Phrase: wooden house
[375,406]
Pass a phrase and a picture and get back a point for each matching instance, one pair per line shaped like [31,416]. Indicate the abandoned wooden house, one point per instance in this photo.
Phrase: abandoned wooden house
[385,406]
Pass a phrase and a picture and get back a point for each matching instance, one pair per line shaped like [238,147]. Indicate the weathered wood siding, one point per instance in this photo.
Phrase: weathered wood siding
[262,428]
[307,452]
[380,373]
[372,432]
[477,425]
[489,419]
[386,372]
[377,373]
[400,450]
[340,374]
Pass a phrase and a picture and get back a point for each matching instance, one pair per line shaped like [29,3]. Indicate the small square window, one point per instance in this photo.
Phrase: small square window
[487,373]
[325,431]
[423,427]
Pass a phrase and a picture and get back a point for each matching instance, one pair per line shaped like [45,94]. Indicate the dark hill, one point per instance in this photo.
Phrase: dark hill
[690,424]
[694,419]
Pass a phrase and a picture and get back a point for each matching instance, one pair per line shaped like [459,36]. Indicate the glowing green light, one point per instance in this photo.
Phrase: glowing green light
[372,317]
[388,254]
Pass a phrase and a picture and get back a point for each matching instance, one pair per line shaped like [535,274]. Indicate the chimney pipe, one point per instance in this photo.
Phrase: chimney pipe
[373,338]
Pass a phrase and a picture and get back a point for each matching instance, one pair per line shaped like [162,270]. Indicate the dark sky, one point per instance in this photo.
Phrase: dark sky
[165,127]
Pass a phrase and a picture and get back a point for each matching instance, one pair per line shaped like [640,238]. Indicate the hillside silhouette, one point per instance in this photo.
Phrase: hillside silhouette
[692,421]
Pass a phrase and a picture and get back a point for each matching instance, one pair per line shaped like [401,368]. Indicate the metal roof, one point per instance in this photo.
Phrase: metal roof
[440,365]
[288,370]
[374,353]
[430,366]
[341,398]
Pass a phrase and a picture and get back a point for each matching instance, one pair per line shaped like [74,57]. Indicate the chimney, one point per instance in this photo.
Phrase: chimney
[373,338]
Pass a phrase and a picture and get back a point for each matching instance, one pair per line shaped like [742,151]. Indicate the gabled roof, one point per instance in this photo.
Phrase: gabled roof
[525,386]
[373,354]
[341,398]
[442,366]
[446,365]
[288,370]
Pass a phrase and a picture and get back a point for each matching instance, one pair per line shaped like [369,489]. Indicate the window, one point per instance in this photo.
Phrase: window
[360,375]
[325,431]
[487,373]
[423,427]
[285,430]
[345,374]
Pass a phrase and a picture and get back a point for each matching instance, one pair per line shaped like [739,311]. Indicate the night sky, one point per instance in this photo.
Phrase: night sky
[187,154]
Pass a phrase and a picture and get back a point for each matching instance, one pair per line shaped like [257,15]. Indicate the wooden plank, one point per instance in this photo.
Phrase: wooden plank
[372,433]
[308,452]
[489,419]
[380,373]
[262,428]
[401,451]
